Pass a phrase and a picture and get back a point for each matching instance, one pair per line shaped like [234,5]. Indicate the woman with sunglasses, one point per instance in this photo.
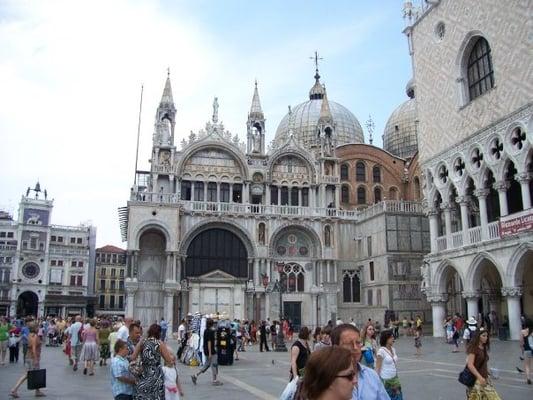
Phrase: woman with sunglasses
[329,375]
[477,362]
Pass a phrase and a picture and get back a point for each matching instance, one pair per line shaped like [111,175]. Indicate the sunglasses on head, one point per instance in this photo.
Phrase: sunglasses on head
[350,376]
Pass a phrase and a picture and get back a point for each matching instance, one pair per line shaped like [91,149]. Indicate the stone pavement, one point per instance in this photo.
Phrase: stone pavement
[257,375]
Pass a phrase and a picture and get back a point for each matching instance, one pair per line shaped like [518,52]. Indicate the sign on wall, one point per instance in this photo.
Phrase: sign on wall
[516,223]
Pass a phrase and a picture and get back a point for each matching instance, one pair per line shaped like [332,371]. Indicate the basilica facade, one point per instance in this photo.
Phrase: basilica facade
[316,226]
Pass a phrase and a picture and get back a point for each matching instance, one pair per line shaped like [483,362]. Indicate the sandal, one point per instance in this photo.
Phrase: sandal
[40,394]
[14,395]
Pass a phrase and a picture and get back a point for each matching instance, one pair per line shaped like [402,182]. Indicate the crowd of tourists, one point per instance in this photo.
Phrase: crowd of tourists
[337,361]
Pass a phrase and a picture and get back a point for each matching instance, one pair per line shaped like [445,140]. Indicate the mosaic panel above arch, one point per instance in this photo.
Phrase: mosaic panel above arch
[291,168]
[294,244]
[213,160]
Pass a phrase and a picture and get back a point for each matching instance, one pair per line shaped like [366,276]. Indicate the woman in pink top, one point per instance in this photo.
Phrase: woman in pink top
[90,351]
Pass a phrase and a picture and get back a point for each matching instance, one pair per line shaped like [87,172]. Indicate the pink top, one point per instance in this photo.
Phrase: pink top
[90,335]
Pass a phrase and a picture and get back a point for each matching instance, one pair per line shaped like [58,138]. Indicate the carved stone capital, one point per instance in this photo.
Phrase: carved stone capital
[482,193]
[501,186]
[470,295]
[511,291]
[437,297]
[523,177]
[462,200]
[131,286]
[432,212]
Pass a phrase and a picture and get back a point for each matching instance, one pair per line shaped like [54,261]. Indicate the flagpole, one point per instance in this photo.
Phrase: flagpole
[138,135]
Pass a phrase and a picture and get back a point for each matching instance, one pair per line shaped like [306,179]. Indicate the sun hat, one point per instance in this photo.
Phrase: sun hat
[471,321]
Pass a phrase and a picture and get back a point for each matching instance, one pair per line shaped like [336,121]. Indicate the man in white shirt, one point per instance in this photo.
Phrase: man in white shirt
[75,343]
[124,330]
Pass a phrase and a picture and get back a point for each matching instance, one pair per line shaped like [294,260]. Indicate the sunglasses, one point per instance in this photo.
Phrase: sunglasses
[350,376]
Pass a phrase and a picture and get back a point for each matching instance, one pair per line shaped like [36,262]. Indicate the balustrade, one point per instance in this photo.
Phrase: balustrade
[457,239]
[442,243]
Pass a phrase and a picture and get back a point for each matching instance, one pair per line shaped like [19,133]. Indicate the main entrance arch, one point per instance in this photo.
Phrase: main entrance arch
[217,270]
[27,304]
[216,249]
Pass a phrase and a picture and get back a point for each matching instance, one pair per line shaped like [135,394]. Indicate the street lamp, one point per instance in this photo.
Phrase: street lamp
[280,287]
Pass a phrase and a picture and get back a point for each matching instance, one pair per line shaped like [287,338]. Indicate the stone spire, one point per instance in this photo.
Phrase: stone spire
[256,111]
[317,91]
[325,112]
[167,92]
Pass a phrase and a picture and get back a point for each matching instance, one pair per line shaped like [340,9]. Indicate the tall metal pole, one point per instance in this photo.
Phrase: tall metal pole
[138,135]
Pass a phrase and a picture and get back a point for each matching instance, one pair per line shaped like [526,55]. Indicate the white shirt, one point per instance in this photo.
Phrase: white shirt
[181,331]
[123,333]
[388,365]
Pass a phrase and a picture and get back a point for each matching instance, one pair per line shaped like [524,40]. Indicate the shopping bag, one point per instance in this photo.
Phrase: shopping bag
[36,379]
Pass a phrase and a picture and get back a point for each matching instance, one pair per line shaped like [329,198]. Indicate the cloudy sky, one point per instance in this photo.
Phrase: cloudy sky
[71,74]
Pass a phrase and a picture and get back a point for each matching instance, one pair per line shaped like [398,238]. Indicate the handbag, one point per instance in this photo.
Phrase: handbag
[467,378]
[36,379]
[369,356]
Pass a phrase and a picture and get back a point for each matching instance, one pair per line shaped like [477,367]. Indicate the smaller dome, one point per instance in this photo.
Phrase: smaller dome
[399,137]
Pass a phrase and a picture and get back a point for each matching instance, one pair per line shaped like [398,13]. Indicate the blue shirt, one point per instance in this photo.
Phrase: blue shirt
[369,386]
[119,367]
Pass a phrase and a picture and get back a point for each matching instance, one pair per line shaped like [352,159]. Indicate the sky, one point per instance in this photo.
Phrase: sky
[71,74]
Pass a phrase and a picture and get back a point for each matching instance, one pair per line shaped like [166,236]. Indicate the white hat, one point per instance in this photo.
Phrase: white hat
[471,321]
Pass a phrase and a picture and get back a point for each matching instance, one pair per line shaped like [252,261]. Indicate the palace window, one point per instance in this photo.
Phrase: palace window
[351,287]
[185,190]
[360,171]
[237,193]
[377,195]
[293,278]
[376,174]
[224,192]
[305,197]
[212,192]
[345,194]
[199,191]
[361,195]
[274,195]
[344,172]
[480,74]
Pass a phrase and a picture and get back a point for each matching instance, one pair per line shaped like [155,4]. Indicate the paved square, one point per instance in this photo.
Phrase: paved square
[263,375]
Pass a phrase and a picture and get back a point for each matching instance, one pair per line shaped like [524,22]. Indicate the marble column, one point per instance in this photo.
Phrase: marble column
[524,179]
[464,217]
[482,198]
[267,195]
[131,288]
[512,295]
[472,306]
[168,307]
[502,187]
[314,308]
[256,272]
[438,309]
[433,229]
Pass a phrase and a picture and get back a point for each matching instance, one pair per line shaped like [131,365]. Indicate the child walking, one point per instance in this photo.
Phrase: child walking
[173,389]
[418,340]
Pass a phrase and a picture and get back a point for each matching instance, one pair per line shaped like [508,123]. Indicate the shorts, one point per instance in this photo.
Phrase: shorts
[528,353]
[3,345]
[30,364]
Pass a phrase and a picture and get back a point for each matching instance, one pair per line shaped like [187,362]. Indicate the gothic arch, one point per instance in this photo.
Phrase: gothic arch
[226,224]
[461,63]
[226,147]
[295,153]
[309,231]
[475,271]
[441,275]
[515,268]
[154,225]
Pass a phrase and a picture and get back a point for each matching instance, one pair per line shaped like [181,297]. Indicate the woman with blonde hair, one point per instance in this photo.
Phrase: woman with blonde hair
[370,345]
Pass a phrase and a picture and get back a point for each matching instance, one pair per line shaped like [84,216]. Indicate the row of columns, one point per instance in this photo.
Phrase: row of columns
[502,187]
[512,295]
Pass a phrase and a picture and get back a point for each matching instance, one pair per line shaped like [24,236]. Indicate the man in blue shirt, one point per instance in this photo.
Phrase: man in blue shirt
[122,382]
[368,385]
[164,327]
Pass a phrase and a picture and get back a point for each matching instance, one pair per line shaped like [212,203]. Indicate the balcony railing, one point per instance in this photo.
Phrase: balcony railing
[474,235]
[393,206]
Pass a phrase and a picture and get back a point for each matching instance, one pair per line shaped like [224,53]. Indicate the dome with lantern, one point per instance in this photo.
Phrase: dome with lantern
[302,120]
[400,135]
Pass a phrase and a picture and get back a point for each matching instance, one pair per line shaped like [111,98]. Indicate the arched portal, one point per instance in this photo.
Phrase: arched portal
[151,275]
[216,249]
[27,304]
[453,286]
[523,276]
[485,280]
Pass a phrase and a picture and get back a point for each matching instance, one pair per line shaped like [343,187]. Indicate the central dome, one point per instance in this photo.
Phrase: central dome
[302,120]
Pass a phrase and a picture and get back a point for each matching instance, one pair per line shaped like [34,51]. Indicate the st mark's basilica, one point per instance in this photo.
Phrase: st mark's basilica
[223,226]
